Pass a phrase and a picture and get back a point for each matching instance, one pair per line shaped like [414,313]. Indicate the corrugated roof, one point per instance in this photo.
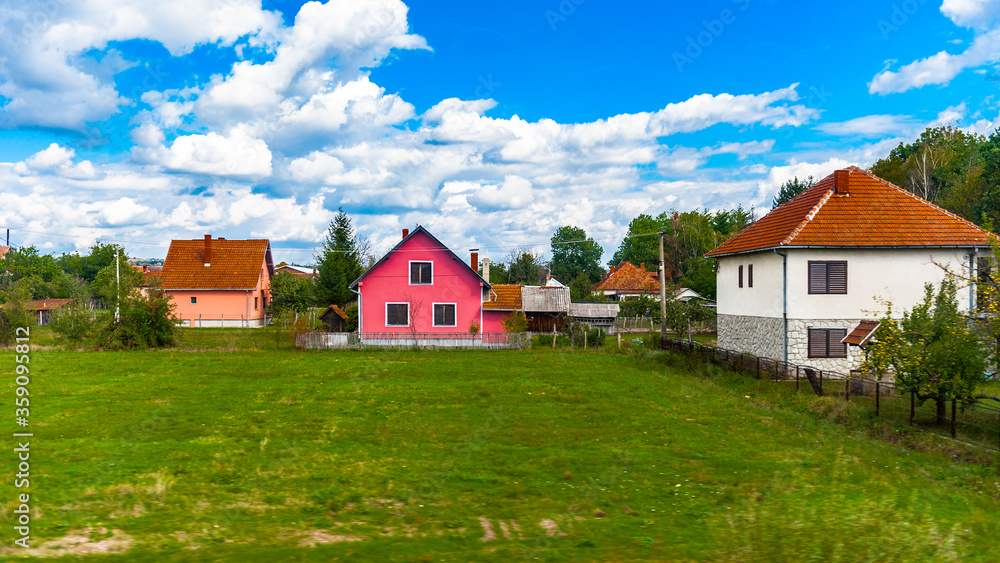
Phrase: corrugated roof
[545,299]
[872,213]
[235,264]
[629,277]
[594,310]
[861,333]
[508,297]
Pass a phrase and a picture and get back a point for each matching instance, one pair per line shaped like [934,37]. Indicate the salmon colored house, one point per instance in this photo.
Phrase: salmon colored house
[219,282]
[422,287]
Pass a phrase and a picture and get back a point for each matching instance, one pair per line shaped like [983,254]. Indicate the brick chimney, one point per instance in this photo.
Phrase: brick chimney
[208,250]
[406,233]
[841,181]
[486,269]
[642,266]
[474,259]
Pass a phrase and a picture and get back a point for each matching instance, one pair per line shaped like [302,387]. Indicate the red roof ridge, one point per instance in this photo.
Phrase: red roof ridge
[809,217]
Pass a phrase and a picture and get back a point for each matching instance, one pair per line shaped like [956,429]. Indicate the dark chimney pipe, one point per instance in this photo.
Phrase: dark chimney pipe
[208,250]
[406,233]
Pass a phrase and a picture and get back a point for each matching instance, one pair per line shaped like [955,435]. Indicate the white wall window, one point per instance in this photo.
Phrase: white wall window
[828,277]
[397,314]
[444,314]
[421,273]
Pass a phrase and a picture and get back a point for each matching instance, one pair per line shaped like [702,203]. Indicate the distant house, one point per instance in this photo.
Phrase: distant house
[628,281]
[42,309]
[3,250]
[793,285]
[297,271]
[334,318]
[422,287]
[219,282]
[547,307]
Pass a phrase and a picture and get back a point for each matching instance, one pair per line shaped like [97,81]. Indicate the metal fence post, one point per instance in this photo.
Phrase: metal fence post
[758,367]
[877,394]
[913,405]
[796,378]
[847,389]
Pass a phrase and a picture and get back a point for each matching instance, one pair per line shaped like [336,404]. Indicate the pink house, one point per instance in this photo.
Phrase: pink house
[219,282]
[422,287]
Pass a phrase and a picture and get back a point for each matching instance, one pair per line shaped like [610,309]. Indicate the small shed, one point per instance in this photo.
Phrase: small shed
[335,319]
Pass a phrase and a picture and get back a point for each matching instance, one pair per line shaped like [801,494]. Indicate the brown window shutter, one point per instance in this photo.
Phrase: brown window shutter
[817,277]
[741,275]
[817,343]
[750,275]
[836,348]
[836,274]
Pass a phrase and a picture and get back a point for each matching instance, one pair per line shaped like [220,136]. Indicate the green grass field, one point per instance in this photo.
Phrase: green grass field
[271,454]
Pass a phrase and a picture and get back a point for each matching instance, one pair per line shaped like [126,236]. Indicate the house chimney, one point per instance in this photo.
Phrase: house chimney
[474,260]
[486,269]
[642,266]
[841,179]
[406,233]
[208,250]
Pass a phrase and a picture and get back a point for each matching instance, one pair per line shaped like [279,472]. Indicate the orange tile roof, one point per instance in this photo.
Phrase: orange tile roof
[235,264]
[628,277]
[508,297]
[861,333]
[873,213]
[336,310]
[46,304]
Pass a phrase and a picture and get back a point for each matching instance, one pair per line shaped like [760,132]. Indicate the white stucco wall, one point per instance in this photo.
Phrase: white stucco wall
[897,275]
[761,300]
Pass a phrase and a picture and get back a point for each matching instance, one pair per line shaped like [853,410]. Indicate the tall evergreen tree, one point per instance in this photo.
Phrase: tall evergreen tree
[338,263]
[790,189]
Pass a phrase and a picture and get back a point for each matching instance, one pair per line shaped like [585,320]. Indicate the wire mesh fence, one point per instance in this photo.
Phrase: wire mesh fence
[972,421]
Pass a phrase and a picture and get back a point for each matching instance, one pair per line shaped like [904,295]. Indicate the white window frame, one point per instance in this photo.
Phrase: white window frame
[433,316]
[409,271]
[397,303]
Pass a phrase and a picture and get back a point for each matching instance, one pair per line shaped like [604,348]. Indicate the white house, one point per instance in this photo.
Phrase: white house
[792,285]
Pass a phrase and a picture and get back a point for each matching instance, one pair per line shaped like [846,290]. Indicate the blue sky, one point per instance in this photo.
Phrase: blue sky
[490,123]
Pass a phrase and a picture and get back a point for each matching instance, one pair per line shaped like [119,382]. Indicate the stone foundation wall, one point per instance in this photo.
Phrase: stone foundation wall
[798,345]
[760,336]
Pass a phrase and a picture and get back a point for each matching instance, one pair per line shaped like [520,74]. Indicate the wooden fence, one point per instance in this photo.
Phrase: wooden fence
[974,421]
[499,340]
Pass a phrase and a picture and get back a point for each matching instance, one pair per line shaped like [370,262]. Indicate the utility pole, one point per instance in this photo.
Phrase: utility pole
[118,282]
[663,293]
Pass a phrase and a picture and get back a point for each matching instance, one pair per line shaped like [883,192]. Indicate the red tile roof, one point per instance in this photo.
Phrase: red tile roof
[628,277]
[867,212]
[234,264]
[507,298]
[861,333]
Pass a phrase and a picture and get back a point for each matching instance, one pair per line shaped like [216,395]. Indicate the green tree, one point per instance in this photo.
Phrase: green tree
[38,273]
[112,284]
[146,321]
[791,188]
[575,254]
[934,350]
[338,264]
[290,293]
[522,267]
[641,243]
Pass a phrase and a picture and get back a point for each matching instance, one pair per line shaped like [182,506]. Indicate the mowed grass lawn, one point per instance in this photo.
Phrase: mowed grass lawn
[285,455]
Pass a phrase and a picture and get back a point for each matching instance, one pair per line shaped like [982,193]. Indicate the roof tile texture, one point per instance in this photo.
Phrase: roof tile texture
[235,264]
[873,213]
[508,297]
[629,277]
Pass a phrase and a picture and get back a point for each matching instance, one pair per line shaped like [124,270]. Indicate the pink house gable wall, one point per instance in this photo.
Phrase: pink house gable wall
[452,282]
